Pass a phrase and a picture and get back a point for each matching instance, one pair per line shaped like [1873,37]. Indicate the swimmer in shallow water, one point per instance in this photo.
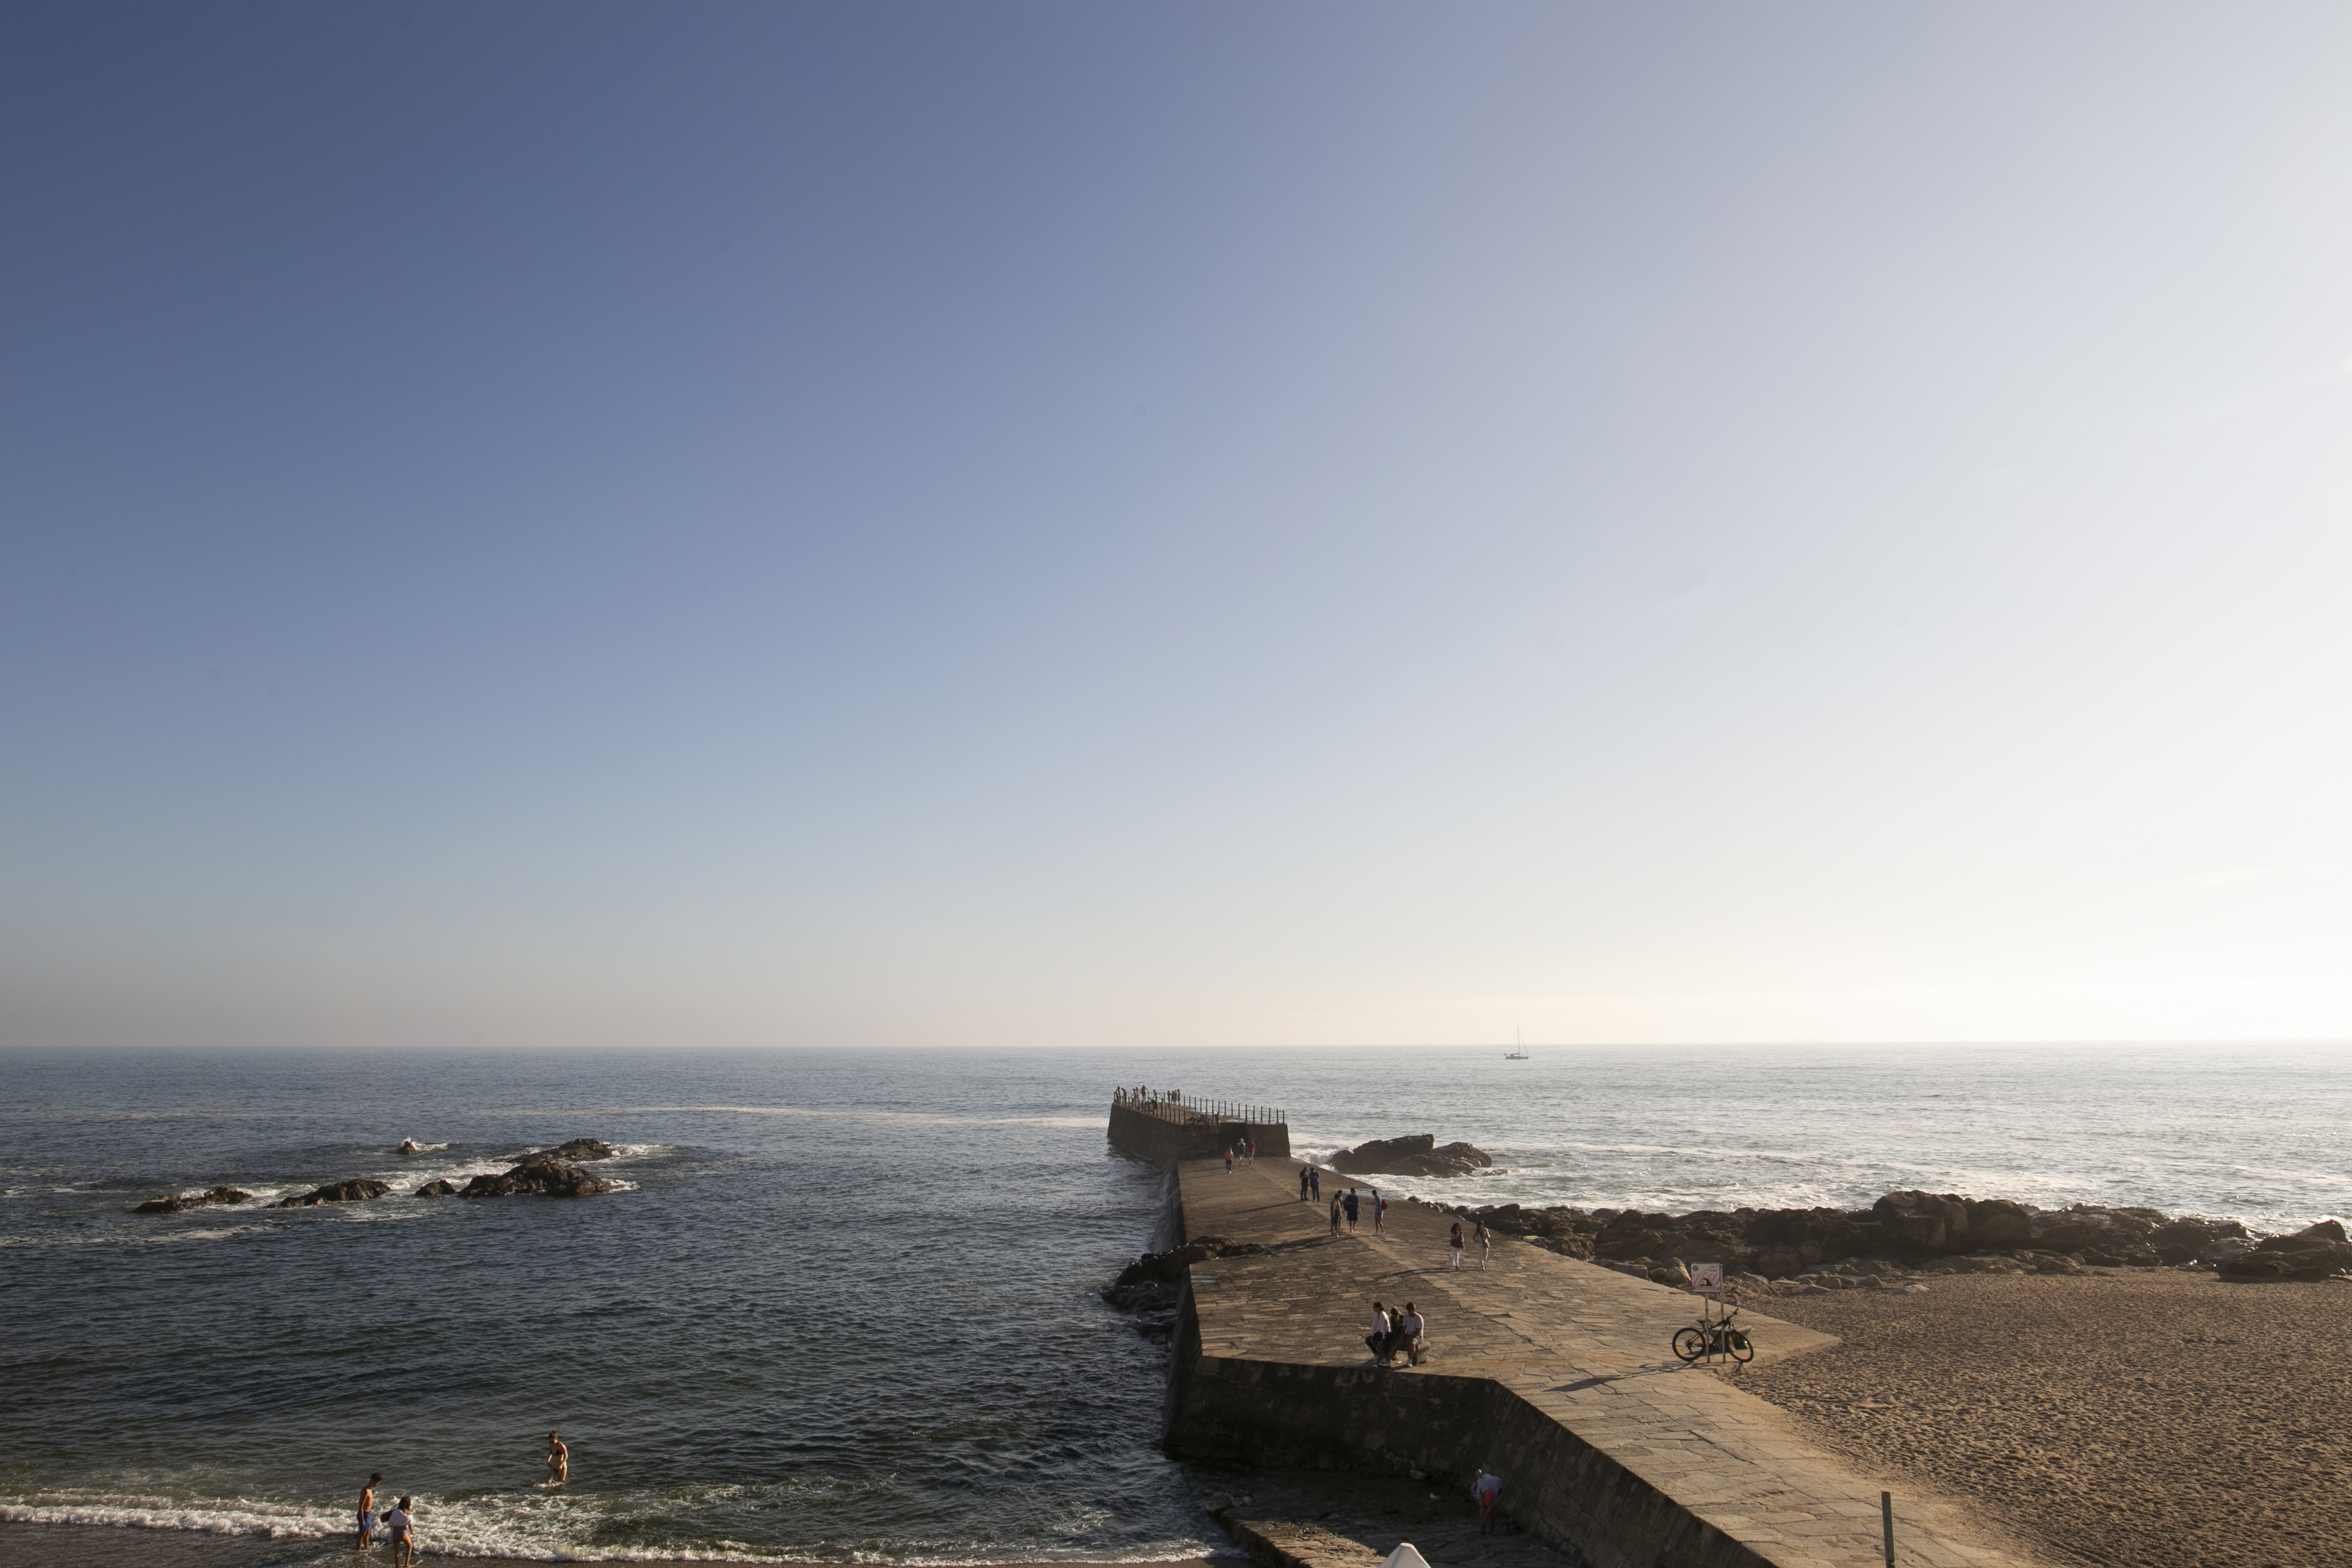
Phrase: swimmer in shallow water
[559,1461]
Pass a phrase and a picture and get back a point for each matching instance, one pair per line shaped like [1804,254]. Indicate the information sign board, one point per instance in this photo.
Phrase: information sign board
[1706,1278]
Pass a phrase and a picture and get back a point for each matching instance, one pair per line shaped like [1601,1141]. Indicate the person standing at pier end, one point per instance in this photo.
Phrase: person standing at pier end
[1315,1183]
[1335,1214]
[1380,1211]
[1350,1204]
[1302,1183]
[1454,1245]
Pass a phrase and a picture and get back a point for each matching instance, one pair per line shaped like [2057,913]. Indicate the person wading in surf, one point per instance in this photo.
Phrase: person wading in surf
[367,1510]
[559,1461]
[403,1526]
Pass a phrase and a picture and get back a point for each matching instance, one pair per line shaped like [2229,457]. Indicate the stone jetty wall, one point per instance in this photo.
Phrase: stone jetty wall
[1551,1372]
[1165,1134]
[1573,1495]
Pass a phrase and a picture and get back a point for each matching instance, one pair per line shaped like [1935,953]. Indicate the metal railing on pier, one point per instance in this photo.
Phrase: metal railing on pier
[1174,1105]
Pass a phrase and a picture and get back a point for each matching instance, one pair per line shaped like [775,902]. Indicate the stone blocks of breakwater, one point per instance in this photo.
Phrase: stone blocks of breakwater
[1574,1495]
[1551,1372]
[1166,1135]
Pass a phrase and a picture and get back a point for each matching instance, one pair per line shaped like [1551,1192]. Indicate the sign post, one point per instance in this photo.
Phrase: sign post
[1707,1284]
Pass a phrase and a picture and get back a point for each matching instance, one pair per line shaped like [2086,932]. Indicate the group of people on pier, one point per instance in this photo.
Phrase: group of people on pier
[1397,1332]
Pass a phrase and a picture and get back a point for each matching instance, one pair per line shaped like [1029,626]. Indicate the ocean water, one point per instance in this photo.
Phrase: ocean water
[843,1309]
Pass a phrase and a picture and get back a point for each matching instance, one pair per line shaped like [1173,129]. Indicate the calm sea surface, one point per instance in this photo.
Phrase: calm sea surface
[843,1309]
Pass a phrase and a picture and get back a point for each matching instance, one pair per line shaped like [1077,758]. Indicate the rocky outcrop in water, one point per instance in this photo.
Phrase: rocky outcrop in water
[1152,1285]
[1917,1228]
[351,1192]
[578,1149]
[408,1147]
[180,1204]
[1414,1156]
[437,1190]
[544,1174]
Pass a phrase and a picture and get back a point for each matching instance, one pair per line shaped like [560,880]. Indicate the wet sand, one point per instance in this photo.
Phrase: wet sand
[101,1546]
[2133,1417]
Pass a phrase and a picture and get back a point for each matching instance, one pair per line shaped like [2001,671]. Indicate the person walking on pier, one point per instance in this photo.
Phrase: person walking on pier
[1229,1159]
[1379,1211]
[1349,1203]
[1485,1243]
[1454,1245]
[1335,1214]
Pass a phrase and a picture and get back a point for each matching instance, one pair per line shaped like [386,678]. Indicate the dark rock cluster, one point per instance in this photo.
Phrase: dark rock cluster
[1152,1285]
[2313,1253]
[1960,1234]
[171,1203]
[1414,1156]
[350,1192]
[551,1172]
[436,1190]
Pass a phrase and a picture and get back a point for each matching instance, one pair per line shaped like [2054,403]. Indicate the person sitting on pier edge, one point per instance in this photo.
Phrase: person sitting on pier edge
[1383,1330]
[1408,1335]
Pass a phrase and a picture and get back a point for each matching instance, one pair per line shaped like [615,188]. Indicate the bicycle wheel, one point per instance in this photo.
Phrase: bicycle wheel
[1689,1344]
[1740,1349]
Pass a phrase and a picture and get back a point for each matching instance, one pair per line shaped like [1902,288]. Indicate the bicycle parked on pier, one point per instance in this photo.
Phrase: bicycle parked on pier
[1715,1337]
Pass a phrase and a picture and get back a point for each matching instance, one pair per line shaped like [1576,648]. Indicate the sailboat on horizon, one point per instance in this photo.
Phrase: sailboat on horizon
[1518,1051]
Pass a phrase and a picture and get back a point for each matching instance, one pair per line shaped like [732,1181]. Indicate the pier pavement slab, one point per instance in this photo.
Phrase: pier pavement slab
[1585,1346]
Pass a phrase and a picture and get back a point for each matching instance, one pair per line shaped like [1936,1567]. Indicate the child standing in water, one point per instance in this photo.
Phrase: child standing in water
[403,1526]
[559,1461]
[367,1510]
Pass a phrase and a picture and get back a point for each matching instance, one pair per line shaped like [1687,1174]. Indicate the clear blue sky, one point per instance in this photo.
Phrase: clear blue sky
[1301,524]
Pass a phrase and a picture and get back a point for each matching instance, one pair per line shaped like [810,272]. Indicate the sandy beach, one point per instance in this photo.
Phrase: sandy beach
[2127,1417]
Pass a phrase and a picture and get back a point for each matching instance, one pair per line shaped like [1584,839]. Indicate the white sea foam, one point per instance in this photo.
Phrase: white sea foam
[236,1516]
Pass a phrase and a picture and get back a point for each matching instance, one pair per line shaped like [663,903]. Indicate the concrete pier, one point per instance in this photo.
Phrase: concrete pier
[1554,1373]
[1168,1131]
